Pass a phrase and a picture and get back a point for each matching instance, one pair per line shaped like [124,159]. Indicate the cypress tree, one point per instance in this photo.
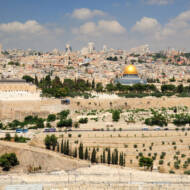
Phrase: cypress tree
[101,158]
[65,147]
[75,153]
[93,84]
[36,80]
[81,151]
[93,156]
[116,156]
[86,154]
[67,152]
[57,146]
[62,147]
[124,160]
[104,157]
[109,156]
[121,159]
[113,158]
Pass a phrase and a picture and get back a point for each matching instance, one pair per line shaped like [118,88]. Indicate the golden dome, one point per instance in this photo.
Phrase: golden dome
[130,70]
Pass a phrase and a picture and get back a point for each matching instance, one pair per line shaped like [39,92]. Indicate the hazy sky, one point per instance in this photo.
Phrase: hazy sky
[121,24]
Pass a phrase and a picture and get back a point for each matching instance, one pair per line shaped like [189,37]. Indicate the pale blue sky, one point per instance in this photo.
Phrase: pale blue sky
[49,24]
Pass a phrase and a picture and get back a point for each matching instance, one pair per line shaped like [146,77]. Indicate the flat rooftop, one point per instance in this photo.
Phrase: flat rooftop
[12,81]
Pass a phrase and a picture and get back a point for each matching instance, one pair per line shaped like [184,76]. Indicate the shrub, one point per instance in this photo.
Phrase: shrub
[135,146]
[51,117]
[185,165]
[162,155]
[181,119]
[8,160]
[161,162]
[63,114]
[173,143]
[7,137]
[116,115]
[83,120]
[20,139]
[183,155]
[140,154]
[171,172]
[65,123]
[156,119]
[146,162]
[176,165]
[187,172]
[50,141]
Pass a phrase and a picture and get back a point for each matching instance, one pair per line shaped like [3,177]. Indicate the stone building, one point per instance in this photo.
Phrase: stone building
[18,90]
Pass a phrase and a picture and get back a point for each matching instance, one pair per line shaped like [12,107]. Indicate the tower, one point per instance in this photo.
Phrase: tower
[68,48]
[91,47]
[104,48]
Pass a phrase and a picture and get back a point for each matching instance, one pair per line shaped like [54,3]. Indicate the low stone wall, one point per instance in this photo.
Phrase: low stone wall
[110,187]
[10,110]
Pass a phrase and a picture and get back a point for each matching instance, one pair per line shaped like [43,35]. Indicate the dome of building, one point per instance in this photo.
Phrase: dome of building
[130,70]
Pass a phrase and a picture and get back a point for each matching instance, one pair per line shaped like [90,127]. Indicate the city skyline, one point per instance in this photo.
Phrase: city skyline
[45,25]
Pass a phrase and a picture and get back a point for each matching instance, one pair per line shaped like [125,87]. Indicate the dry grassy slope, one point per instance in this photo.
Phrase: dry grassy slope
[48,160]
[125,142]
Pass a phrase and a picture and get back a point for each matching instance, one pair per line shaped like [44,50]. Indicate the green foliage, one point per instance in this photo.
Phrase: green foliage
[99,87]
[116,115]
[121,159]
[62,149]
[20,139]
[112,58]
[51,117]
[8,160]
[83,120]
[109,156]
[93,156]
[104,157]
[75,153]
[161,162]
[181,119]
[63,114]
[57,146]
[187,172]
[7,137]
[28,78]
[86,154]
[54,87]
[39,122]
[14,63]
[115,157]
[81,154]
[1,125]
[65,123]
[50,141]
[157,119]
[146,162]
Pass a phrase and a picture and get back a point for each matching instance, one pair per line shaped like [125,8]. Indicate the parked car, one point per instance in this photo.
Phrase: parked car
[157,129]
[21,130]
[46,130]
[145,128]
